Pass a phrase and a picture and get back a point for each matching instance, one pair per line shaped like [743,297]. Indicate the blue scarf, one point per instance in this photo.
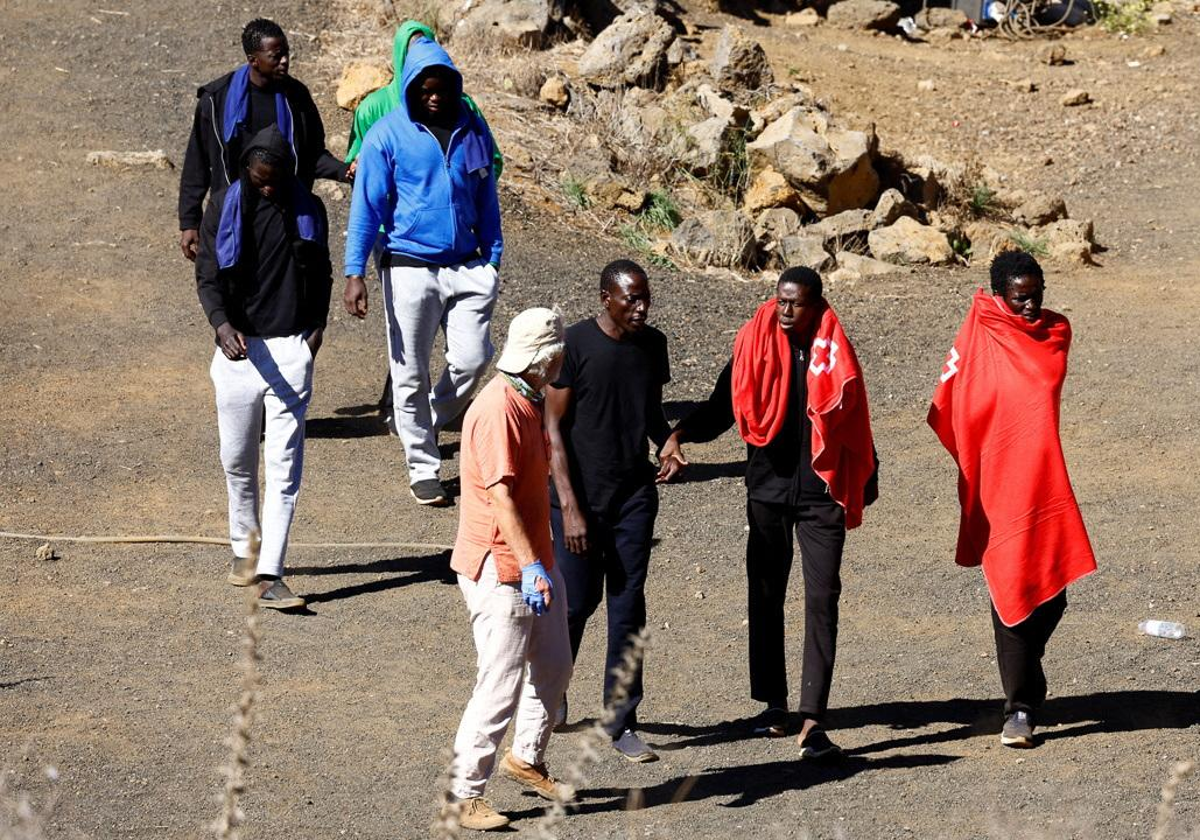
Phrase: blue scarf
[237,103]
[229,228]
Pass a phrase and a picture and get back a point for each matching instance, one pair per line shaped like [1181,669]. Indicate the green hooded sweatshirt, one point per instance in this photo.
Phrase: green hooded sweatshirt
[383,101]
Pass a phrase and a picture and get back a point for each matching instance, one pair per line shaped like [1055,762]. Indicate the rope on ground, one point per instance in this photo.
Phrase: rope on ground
[184,538]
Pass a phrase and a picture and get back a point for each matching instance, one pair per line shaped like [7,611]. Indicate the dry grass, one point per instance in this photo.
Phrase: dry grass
[228,824]
[22,818]
[1166,805]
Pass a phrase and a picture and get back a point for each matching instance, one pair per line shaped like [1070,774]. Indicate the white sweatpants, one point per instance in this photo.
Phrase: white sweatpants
[276,377]
[523,664]
[458,300]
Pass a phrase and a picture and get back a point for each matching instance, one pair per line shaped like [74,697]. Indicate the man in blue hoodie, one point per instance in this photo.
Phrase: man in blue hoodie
[425,174]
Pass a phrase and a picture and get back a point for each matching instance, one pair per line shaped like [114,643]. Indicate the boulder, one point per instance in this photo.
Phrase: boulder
[611,194]
[864,266]
[719,106]
[908,242]
[740,63]
[770,189]
[708,145]
[830,167]
[555,92]
[631,51]
[1075,96]
[892,205]
[804,17]
[804,249]
[358,79]
[775,225]
[942,18]
[526,23]
[987,239]
[864,14]
[722,238]
[1040,210]
[1069,240]
[1053,54]
[844,230]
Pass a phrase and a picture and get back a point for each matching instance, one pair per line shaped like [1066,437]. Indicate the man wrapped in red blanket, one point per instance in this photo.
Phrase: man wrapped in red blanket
[795,390]
[996,410]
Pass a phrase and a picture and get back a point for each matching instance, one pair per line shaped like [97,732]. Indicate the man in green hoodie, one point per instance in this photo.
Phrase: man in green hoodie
[379,103]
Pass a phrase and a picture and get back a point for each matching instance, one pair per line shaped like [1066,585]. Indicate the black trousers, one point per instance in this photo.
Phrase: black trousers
[821,530]
[1019,652]
[617,560]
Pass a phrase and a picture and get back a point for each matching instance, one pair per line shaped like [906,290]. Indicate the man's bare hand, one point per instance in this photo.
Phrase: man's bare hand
[315,339]
[189,243]
[575,530]
[231,342]
[670,460]
[355,296]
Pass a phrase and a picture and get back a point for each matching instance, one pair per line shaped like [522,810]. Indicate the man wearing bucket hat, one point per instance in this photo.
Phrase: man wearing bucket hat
[505,563]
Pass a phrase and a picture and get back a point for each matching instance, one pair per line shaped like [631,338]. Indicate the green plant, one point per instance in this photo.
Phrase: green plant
[982,201]
[634,235]
[731,175]
[661,212]
[1129,17]
[576,191]
[1030,245]
[962,247]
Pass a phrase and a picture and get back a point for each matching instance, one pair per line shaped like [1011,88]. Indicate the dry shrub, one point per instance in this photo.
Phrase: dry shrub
[21,817]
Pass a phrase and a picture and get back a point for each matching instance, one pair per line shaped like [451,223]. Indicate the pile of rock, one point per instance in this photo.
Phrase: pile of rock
[764,175]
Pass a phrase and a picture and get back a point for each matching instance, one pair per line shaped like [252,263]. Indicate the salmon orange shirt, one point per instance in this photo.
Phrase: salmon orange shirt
[503,439]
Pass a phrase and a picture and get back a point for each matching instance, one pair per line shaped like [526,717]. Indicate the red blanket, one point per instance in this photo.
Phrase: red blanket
[996,410]
[842,447]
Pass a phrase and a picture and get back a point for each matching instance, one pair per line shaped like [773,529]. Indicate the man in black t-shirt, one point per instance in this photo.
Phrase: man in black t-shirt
[600,412]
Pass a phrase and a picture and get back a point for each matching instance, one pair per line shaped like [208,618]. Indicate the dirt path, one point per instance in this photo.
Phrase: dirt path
[117,663]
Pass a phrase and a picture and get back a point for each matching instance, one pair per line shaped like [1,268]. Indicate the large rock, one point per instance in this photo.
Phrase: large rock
[722,238]
[1069,240]
[831,167]
[864,14]
[892,205]
[771,228]
[526,23]
[631,51]
[805,249]
[1040,210]
[770,189]
[935,17]
[709,145]
[908,242]
[864,266]
[740,63]
[358,79]
[555,92]
[845,230]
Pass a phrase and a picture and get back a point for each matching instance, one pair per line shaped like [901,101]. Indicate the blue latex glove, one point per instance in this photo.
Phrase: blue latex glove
[529,591]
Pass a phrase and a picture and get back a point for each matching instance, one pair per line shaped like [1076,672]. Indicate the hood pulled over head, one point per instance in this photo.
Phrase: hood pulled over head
[424,55]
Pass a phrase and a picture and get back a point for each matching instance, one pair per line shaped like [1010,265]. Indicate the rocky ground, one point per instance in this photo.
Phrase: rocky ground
[118,663]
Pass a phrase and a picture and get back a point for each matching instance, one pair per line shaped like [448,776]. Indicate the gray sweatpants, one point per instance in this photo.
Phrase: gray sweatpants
[458,300]
[275,378]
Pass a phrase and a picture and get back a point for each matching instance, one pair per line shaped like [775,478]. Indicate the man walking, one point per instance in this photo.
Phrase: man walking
[425,173]
[599,413]
[795,390]
[263,276]
[238,106]
[376,105]
[508,576]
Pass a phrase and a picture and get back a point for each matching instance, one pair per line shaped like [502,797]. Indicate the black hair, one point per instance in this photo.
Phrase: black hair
[265,156]
[1009,265]
[617,269]
[258,29]
[800,275]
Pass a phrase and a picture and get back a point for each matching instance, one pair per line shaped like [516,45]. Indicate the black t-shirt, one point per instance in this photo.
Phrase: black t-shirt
[616,404]
[781,471]
[261,111]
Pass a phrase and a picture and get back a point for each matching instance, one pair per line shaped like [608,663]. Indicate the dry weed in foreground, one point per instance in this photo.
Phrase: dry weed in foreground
[20,818]
[231,818]
[587,752]
[445,821]
[1166,806]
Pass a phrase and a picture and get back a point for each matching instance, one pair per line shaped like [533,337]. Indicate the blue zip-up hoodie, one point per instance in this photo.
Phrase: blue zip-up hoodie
[434,207]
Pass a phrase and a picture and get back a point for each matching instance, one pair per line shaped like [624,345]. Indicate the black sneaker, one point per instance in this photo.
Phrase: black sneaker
[771,722]
[1018,731]
[429,491]
[817,746]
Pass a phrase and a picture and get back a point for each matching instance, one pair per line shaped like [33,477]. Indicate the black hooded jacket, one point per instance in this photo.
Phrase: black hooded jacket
[281,283]
[210,163]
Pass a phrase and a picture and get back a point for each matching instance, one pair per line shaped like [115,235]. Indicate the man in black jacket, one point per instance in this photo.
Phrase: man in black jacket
[263,276]
[239,105]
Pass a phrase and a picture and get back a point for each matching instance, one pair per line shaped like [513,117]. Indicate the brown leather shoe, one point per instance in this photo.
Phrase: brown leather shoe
[242,571]
[276,595]
[477,815]
[537,778]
